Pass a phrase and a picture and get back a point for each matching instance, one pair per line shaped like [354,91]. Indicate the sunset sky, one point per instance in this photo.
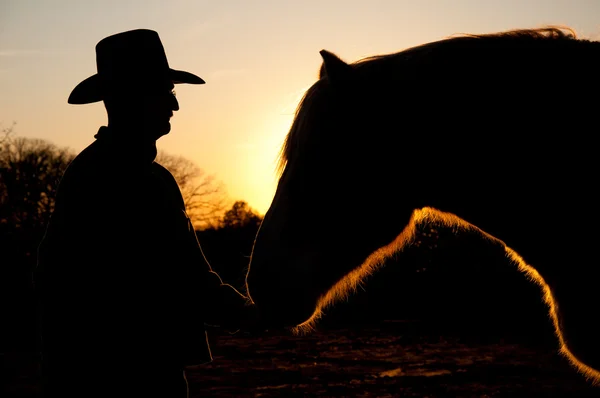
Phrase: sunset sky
[257,58]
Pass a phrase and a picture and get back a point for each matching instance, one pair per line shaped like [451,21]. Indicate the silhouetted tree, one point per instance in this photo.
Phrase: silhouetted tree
[5,137]
[205,197]
[30,170]
[240,215]
[228,245]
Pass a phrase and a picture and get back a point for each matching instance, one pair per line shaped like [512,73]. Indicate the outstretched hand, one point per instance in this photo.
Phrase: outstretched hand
[248,319]
[231,310]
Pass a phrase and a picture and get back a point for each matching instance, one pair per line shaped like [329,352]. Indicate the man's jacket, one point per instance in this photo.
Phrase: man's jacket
[120,271]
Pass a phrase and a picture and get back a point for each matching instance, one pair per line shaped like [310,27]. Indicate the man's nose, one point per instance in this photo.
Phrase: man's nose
[174,104]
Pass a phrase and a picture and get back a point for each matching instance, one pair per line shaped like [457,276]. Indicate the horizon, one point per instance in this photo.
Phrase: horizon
[257,59]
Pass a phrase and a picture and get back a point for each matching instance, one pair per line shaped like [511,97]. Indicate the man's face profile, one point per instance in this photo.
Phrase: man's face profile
[158,108]
[150,110]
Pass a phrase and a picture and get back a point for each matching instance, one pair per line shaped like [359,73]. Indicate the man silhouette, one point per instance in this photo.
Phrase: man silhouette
[124,288]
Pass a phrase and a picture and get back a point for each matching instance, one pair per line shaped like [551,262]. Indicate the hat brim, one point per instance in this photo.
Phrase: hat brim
[180,76]
[91,89]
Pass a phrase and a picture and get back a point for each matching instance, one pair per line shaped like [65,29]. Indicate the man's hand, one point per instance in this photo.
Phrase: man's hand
[231,310]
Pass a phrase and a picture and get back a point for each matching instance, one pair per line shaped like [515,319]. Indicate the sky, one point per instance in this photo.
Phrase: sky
[256,56]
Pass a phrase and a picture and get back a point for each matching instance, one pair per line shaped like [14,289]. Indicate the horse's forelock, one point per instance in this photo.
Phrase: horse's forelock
[301,125]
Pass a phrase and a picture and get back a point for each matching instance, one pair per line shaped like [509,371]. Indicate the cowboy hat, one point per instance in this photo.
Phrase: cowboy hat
[129,60]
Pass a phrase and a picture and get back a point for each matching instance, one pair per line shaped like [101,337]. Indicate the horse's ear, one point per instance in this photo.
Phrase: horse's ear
[334,68]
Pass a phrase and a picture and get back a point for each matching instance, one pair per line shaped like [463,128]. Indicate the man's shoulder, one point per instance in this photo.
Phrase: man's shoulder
[95,156]
[163,172]
[168,181]
[91,172]
[86,160]
[161,169]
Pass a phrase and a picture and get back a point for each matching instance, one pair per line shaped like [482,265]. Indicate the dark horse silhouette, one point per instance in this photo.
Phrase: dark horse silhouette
[491,133]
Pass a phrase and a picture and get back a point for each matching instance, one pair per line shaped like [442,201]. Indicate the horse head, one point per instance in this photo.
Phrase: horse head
[327,196]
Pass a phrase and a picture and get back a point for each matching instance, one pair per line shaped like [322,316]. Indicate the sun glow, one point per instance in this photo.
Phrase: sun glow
[256,166]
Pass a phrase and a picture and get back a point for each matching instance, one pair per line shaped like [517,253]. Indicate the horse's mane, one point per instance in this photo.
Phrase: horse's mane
[312,100]
[548,32]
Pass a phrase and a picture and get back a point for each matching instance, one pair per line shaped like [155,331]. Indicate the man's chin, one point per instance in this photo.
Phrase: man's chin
[163,131]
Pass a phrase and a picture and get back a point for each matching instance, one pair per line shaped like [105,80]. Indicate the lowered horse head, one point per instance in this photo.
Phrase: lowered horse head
[486,132]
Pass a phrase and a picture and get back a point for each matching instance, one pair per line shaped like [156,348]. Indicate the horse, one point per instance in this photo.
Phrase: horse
[488,133]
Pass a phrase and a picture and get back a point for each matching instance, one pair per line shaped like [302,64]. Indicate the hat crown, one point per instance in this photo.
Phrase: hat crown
[132,56]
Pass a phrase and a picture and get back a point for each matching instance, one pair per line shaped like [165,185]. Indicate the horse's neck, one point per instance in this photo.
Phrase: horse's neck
[475,182]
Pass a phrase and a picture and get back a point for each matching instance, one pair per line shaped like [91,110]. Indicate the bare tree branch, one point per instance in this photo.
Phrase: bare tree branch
[205,198]
[6,133]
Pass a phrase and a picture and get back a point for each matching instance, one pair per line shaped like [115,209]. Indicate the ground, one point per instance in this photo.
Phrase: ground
[390,360]
[393,359]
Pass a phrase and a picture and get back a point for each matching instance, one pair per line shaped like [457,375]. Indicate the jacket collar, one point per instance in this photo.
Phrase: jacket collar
[126,146]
